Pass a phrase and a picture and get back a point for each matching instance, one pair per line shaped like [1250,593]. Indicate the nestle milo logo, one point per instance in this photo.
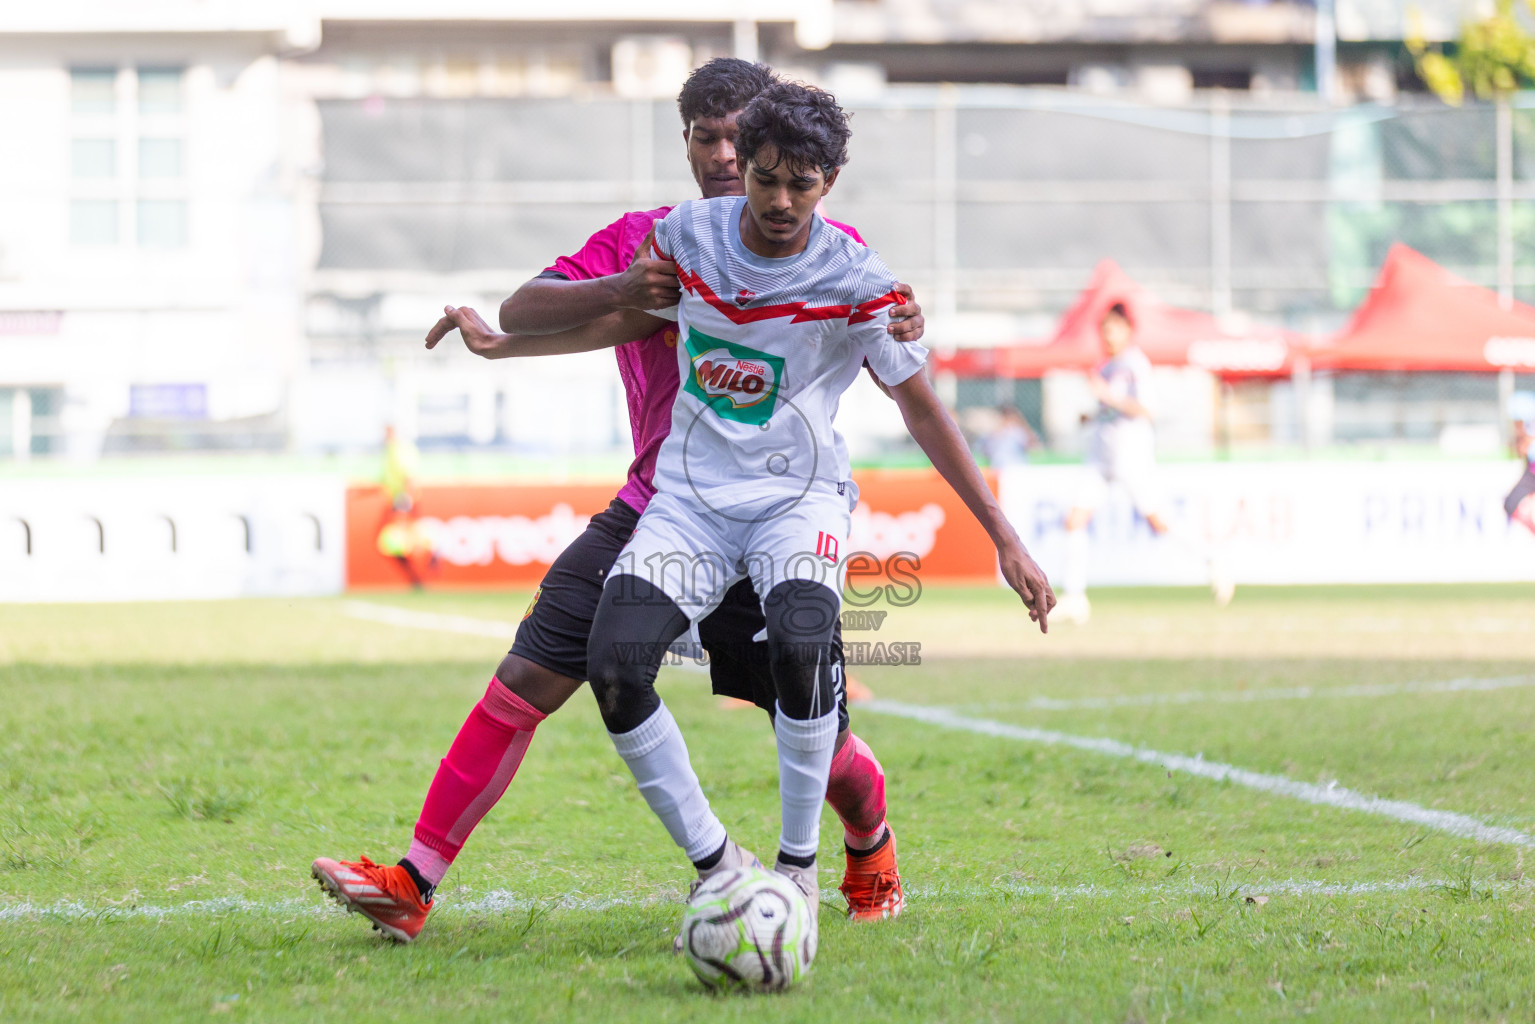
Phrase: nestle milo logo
[738,383]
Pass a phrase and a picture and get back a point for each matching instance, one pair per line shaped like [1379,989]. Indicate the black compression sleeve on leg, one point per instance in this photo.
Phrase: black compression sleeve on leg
[1523,489]
[634,624]
[801,624]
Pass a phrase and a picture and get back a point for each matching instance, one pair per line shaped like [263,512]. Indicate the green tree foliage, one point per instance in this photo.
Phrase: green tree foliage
[1493,56]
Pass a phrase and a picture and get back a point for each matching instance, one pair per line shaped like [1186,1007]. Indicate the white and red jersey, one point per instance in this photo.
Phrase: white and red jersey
[648,366]
[1128,375]
[765,349]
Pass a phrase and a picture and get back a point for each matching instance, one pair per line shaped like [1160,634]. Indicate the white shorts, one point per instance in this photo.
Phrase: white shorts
[1123,454]
[693,555]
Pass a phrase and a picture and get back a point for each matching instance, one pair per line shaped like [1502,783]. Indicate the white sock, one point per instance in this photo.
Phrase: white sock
[658,757]
[1074,574]
[804,765]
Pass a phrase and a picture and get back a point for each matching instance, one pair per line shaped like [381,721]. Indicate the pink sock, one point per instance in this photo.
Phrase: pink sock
[479,766]
[856,790]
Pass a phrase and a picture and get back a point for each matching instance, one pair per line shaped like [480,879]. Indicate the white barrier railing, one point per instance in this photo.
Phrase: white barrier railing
[169,538]
[1289,523]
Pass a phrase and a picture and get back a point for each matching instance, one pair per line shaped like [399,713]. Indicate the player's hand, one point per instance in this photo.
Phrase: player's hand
[1025,576]
[477,335]
[1098,386]
[906,320]
[648,283]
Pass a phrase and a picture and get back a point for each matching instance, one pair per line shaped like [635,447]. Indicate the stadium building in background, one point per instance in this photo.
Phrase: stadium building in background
[225,225]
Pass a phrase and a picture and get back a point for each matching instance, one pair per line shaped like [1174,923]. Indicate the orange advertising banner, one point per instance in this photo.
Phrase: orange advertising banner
[913,516]
[469,536]
[506,535]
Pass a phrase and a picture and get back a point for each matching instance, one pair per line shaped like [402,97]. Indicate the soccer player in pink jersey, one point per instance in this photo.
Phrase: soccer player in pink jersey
[573,306]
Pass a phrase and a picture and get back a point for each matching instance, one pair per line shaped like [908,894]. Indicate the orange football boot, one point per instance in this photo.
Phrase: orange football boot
[387,896]
[872,885]
[858,692]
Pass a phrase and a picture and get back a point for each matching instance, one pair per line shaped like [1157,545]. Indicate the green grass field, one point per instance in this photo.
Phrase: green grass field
[170,770]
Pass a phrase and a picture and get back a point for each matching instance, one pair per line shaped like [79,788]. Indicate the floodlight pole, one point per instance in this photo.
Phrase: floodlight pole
[1505,132]
[1326,52]
[946,213]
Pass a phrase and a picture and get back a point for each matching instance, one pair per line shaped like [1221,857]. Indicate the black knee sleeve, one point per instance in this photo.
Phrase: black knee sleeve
[801,626]
[1523,489]
[633,626]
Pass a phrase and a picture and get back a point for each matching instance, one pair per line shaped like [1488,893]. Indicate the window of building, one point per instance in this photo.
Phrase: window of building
[93,222]
[93,158]
[162,223]
[93,91]
[139,202]
[160,90]
[159,158]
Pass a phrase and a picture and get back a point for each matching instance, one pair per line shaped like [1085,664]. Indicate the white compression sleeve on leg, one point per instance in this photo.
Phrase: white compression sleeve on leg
[657,755]
[804,765]
[1075,571]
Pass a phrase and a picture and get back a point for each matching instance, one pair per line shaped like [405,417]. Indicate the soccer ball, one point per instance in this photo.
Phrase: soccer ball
[751,929]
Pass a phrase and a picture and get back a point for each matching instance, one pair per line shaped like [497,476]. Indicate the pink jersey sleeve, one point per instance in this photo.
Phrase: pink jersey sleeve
[600,256]
[849,230]
[610,250]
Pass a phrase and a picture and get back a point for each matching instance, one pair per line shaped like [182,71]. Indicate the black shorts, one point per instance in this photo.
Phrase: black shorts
[738,665]
[557,624]
[1523,489]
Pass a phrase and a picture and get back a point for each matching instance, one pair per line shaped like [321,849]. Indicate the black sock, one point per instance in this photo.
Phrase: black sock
[798,862]
[713,859]
[871,851]
[424,887]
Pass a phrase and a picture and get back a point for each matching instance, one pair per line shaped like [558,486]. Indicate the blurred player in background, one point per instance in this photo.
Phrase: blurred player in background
[1010,443]
[1520,503]
[400,536]
[1122,451]
[582,302]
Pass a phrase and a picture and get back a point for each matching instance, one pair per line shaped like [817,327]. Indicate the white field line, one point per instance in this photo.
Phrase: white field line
[504,902]
[392,616]
[1331,795]
[1465,685]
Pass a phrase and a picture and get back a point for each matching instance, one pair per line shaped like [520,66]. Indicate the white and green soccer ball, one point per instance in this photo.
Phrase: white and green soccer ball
[751,929]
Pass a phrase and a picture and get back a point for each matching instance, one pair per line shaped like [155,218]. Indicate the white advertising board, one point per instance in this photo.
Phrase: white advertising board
[140,538]
[1289,523]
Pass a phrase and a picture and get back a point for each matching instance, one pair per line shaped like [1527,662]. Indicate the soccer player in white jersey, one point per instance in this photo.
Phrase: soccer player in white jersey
[777,317]
[1122,451]
[1520,503]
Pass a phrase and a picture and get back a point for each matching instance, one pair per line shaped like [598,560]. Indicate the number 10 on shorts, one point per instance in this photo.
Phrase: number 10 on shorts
[826,547]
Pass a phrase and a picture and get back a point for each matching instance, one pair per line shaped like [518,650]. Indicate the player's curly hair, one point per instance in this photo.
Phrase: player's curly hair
[804,124]
[721,87]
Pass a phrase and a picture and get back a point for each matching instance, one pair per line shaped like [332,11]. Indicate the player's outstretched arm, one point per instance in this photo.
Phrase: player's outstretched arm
[1131,407]
[937,434]
[603,332]
[546,305]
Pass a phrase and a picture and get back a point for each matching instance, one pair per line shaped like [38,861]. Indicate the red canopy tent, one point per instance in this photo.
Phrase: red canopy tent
[1169,336]
[1419,316]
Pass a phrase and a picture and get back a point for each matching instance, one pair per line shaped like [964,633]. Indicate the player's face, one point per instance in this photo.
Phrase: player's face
[712,155]
[782,199]
[1116,333]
